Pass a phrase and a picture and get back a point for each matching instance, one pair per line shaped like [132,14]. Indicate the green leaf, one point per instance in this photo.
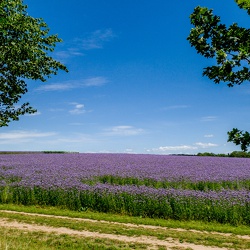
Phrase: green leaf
[230,47]
[25,43]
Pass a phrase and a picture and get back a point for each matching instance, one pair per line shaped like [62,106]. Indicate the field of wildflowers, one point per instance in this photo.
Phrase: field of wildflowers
[157,186]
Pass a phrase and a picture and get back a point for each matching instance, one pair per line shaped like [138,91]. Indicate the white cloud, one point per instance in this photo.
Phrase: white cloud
[96,39]
[65,54]
[74,84]
[79,106]
[122,131]
[76,124]
[205,145]
[19,136]
[128,150]
[78,109]
[95,81]
[174,148]
[209,136]
[34,114]
[183,148]
[57,86]
[208,118]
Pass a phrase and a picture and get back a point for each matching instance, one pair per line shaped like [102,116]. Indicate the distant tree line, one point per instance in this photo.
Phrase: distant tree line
[240,154]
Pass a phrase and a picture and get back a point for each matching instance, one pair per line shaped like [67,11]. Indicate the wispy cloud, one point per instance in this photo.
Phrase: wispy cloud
[209,136]
[19,136]
[34,114]
[129,151]
[174,148]
[122,131]
[183,148]
[76,124]
[74,84]
[93,40]
[78,109]
[205,145]
[95,81]
[62,55]
[57,86]
[96,39]
[208,118]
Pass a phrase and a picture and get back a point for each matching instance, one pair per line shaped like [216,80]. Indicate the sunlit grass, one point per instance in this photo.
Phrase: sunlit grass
[13,239]
[102,224]
[169,223]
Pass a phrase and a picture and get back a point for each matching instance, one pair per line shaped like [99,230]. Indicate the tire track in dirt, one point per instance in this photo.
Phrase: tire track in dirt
[129,225]
[152,242]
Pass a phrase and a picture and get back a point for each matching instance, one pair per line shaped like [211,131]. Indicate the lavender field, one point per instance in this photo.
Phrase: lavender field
[157,186]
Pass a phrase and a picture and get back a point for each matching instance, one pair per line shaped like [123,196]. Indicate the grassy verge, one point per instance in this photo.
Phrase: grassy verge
[18,240]
[103,224]
[195,225]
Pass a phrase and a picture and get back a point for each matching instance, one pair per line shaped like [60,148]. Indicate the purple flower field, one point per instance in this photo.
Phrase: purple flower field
[69,169]
[179,187]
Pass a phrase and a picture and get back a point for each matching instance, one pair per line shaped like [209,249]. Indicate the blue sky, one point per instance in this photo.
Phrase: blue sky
[135,84]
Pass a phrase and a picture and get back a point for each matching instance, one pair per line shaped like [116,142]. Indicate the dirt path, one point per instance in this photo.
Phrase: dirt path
[247,237]
[153,242]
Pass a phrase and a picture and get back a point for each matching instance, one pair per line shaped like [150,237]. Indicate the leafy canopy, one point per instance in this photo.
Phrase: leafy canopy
[244,4]
[239,138]
[231,49]
[25,48]
[229,46]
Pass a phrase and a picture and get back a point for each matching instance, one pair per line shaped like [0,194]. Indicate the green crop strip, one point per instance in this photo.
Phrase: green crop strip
[177,184]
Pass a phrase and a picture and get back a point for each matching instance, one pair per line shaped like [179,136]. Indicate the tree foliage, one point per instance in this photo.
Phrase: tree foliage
[231,49]
[244,4]
[239,138]
[25,48]
[229,46]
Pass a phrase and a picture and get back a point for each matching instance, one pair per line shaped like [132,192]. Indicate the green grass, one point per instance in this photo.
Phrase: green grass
[102,225]
[196,225]
[19,240]
[177,184]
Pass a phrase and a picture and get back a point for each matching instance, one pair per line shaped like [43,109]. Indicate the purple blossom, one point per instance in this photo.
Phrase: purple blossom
[51,177]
